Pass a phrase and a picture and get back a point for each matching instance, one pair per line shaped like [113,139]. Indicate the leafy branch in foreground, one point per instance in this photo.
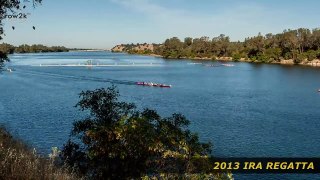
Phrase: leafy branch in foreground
[3,58]
[10,6]
[119,142]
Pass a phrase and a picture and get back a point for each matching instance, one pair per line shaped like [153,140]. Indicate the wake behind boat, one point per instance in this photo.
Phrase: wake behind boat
[212,65]
[153,84]
[228,65]
[219,65]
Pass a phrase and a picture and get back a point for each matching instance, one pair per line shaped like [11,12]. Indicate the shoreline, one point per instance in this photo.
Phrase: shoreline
[313,63]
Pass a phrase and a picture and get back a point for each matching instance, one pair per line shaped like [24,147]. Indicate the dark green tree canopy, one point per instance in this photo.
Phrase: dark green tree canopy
[117,141]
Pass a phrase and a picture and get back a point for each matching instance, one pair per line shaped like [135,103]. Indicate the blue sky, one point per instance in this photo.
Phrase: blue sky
[105,23]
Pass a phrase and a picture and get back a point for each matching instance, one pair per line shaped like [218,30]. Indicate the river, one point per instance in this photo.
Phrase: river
[245,110]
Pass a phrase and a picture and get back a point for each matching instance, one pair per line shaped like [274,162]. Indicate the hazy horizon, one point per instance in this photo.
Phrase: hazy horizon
[103,24]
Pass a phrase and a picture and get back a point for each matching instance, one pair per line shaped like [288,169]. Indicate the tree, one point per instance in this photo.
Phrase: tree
[187,42]
[173,48]
[304,39]
[3,59]
[289,44]
[315,38]
[220,45]
[119,142]
[223,44]
[9,6]
[200,47]
[4,50]
[255,46]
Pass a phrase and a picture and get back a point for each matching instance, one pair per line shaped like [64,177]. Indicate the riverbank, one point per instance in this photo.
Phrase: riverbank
[18,161]
[313,63]
[35,48]
[291,47]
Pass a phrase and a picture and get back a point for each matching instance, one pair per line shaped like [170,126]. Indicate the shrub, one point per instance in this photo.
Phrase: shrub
[273,53]
[310,55]
[236,57]
[18,161]
[119,142]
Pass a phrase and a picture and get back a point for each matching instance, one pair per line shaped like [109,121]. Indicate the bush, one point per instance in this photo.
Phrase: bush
[236,57]
[273,53]
[311,55]
[119,142]
[263,58]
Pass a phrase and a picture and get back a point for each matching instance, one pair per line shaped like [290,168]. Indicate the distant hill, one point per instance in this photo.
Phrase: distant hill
[144,48]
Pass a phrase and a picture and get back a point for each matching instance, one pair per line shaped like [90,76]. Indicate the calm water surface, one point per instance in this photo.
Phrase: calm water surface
[247,110]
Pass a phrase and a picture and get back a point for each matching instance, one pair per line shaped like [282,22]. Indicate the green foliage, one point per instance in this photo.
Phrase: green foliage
[308,55]
[9,49]
[273,54]
[263,58]
[3,58]
[300,58]
[291,44]
[119,142]
[172,48]
[312,54]
[299,44]
[255,46]
[236,57]
[187,42]
[143,52]
[39,48]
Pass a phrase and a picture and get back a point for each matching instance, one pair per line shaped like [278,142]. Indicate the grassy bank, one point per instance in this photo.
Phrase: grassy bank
[18,161]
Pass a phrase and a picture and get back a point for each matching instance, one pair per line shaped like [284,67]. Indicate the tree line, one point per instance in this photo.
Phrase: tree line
[36,48]
[299,45]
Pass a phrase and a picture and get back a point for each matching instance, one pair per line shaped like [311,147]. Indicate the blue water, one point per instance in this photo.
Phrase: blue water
[248,110]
